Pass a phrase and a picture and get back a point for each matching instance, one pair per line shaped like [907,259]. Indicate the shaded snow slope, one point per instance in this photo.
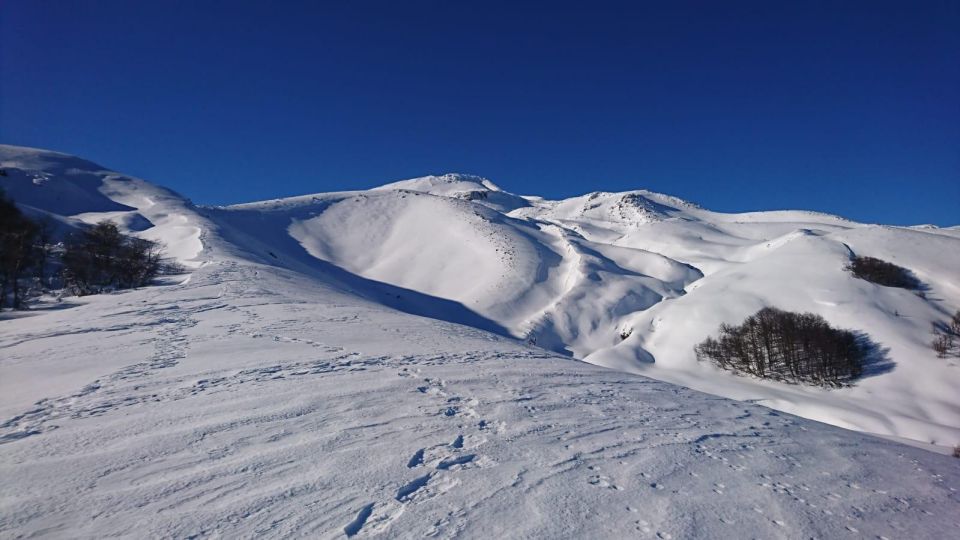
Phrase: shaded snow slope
[69,189]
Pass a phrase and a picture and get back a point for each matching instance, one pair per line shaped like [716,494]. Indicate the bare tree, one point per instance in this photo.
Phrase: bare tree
[946,337]
[18,253]
[101,258]
[794,347]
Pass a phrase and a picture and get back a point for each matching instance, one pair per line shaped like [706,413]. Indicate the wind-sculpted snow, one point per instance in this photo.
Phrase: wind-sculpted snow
[384,363]
[58,183]
[256,401]
[73,191]
[626,280]
[634,280]
[464,187]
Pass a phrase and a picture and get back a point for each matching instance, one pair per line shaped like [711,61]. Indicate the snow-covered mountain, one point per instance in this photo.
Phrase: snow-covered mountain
[574,276]
[401,361]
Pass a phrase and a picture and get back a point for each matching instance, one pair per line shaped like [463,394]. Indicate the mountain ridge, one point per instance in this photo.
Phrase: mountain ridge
[576,275]
[292,382]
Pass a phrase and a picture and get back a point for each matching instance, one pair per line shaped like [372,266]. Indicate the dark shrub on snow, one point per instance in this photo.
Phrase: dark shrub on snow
[946,337]
[883,273]
[20,252]
[786,346]
[102,258]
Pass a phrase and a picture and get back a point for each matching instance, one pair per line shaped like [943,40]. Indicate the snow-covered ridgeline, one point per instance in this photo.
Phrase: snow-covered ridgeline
[284,388]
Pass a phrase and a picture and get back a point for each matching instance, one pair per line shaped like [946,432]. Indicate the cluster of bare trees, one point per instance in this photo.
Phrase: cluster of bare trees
[91,261]
[24,249]
[946,337]
[101,258]
[883,273]
[787,346]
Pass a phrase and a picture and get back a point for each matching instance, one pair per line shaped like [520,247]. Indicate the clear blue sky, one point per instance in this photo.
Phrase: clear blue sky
[844,107]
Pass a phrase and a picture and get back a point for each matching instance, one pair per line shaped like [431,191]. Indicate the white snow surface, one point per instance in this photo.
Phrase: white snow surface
[363,364]
[573,276]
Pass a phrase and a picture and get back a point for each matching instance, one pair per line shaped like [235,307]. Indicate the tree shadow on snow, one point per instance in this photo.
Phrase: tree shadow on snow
[876,359]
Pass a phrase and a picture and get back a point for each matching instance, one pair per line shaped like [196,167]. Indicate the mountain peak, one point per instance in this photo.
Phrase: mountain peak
[444,184]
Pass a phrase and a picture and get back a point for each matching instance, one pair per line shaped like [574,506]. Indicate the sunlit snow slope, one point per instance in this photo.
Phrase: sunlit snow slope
[574,276]
[287,387]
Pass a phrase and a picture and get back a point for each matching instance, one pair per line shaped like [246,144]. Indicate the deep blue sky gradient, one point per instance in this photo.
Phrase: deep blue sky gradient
[844,107]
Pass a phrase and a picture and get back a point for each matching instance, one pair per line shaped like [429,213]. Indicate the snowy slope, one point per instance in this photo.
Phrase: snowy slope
[69,189]
[278,390]
[255,401]
[461,186]
[530,278]
[574,276]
